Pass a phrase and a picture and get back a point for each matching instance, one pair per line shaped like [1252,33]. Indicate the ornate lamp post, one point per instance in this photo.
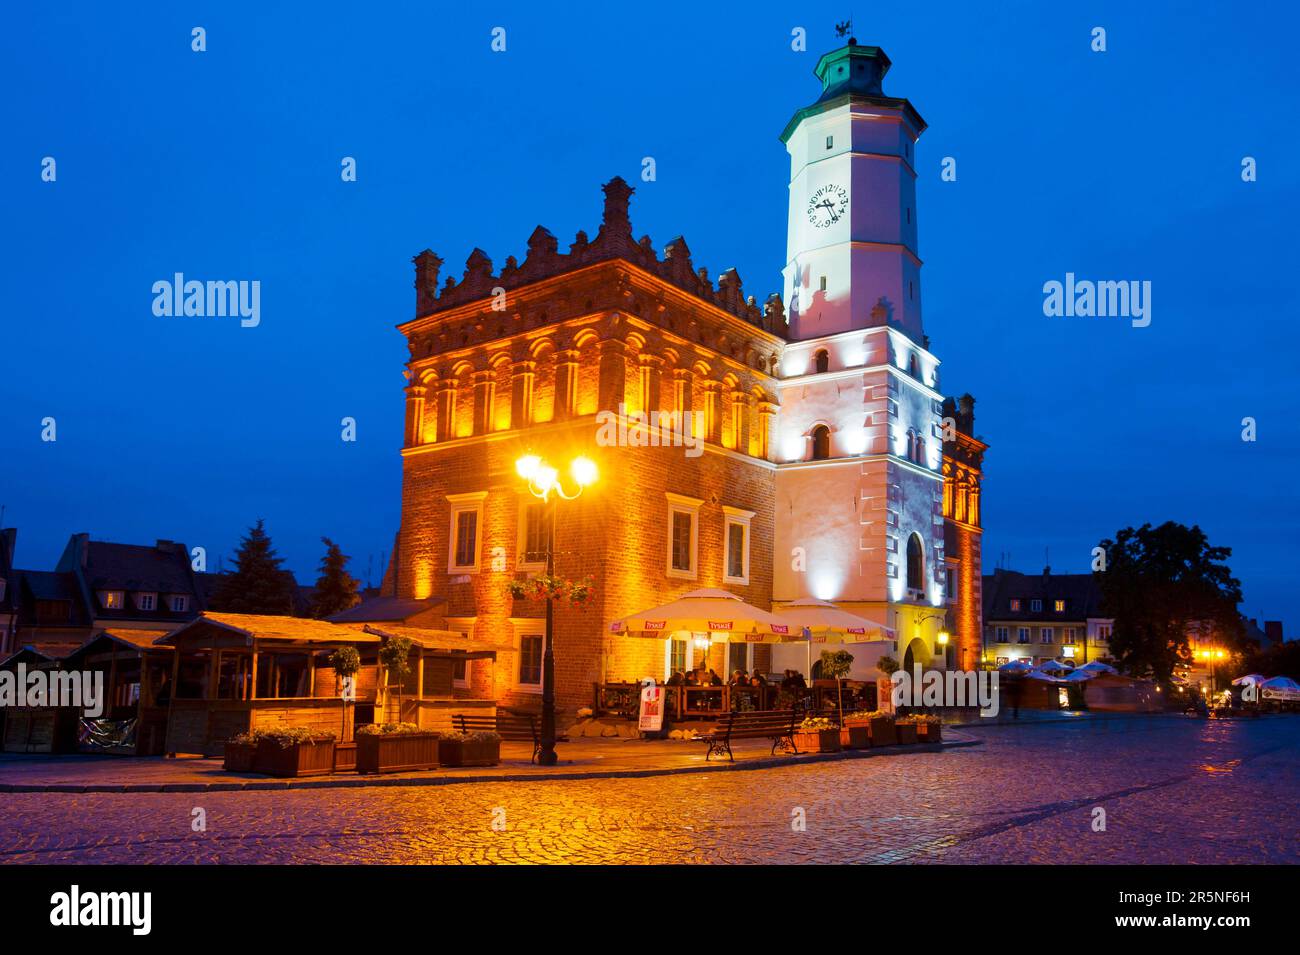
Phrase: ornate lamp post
[543,481]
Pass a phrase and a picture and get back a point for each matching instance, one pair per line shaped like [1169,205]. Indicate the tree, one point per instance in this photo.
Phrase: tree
[395,655]
[1163,585]
[336,589]
[258,584]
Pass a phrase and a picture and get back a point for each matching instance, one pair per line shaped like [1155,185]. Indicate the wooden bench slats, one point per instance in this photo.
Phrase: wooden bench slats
[506,724]
[776,725]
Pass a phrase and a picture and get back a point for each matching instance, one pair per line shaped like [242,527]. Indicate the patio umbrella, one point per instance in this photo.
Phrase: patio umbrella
[722,615]
[1081,674]
[1250,679]
[1015,666]
[1096,666]
[820,621]
[1053,665]
[1281,688]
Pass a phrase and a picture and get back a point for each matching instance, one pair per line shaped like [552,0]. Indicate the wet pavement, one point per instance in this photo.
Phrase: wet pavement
[1173,790]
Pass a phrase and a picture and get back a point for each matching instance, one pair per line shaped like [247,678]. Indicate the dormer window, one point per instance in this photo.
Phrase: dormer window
[111,599]
[1058,606]
[1015,605]
[1036,606]
[180,603]
[146,601]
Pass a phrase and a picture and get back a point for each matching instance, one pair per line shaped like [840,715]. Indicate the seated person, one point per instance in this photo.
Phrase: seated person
[738,678]
[713,679]
[757,680]
[677,679]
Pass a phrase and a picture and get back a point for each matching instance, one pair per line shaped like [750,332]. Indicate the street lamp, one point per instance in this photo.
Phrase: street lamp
[543,481]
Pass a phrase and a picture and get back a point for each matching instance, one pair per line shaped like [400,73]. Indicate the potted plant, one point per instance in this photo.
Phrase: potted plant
[396,748]
[906,729]
[395,656]
[854,734]
[346,662]
[836,665]
[479,748]
[816,734]
[929,729]
[879,725]
[294,751]
[887,666]
[239,752]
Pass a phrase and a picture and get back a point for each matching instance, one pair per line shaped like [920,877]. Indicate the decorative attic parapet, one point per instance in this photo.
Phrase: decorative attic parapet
[613,241]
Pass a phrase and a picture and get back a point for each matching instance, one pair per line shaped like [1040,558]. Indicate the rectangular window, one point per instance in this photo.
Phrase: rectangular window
[1004,635]
[1022,635]
[180,603]
[535,520]
[676,657]
[1015,605]
[111,599]
[1046,635]
[1103,633]
[830,142]
[1035,606]
[145,601]
[736,553]
[683,536]
[465,538]
[460,672]
[1058,606]
[1068,636]
[823,283]
[737,659]
[530,659]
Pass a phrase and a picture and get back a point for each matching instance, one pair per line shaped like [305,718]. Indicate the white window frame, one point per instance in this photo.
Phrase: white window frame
[735,516]
[1047,635]
[460,503]
[172,600]
[527,627]
[142,597]
[1058,606]
[1024,632]
[524,503]
[1001,634]
[1069,636]
[681,504]
[1036,605]
[112,599]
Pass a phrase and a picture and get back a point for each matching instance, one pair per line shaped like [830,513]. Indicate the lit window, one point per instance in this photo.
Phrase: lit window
[465,544]
[736,570]
[683,535]
[1015,605]
[1058,606]
[111,599]
[530,659]
[676,657]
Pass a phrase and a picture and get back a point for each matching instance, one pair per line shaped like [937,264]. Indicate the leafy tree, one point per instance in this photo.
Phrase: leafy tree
[336,589]
[1281,659]
[395,655]
[259,584]
[1164,585]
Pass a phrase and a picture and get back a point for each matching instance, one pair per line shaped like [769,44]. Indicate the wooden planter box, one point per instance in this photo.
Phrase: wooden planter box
[345,757]
[855,736]
[300,759]
[398,753]
[929,732]
[818,741]
[456,752]
[906,732]
[239,757]
[880,731]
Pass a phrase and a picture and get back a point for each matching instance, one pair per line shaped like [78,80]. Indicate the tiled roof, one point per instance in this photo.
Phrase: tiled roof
[271,627]
[380,609]
[1081,593]
[136,567]
[433,639]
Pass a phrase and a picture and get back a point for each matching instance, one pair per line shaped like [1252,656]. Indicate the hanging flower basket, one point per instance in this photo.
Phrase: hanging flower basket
[548,587]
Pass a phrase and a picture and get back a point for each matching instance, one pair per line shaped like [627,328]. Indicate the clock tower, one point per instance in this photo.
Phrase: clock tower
[851,259]
[859,481]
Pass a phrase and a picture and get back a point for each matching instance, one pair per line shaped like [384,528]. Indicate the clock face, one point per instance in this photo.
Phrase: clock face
[828,205]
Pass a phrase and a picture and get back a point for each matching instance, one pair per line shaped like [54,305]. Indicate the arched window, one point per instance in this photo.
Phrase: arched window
[821,361]
[911,445]
[915,563]
[914,367]
[821,443]
[920,450]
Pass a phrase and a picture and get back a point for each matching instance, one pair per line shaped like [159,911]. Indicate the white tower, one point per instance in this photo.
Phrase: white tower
[859,487]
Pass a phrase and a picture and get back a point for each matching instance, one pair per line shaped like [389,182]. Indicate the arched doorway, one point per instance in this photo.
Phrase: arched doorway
[917,653]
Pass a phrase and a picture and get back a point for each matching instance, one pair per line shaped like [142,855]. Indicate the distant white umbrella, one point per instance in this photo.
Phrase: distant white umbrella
[820,621]
[1250,679]
[1096,667]
[722,615]
[1016,666]
[1055,666]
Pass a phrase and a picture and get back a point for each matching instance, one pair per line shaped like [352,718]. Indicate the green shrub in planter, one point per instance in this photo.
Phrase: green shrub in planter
[396,748]
[294,751]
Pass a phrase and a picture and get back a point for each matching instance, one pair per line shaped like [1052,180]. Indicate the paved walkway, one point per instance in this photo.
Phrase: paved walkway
[579,759]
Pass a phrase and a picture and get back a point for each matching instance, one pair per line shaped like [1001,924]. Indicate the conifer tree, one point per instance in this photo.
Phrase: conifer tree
[258,584]
[336,589]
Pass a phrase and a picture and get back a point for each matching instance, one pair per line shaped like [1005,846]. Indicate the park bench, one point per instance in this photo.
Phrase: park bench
[508,724]
[776,725]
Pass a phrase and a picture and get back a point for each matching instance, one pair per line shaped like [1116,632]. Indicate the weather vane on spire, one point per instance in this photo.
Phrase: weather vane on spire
[842,29]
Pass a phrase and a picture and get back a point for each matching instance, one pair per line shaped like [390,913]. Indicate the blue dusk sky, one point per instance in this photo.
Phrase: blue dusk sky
[225,165]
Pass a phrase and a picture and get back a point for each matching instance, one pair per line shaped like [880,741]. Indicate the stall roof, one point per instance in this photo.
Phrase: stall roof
[387,609]
[437,640]
[252,626]
[26,654]
[138,640]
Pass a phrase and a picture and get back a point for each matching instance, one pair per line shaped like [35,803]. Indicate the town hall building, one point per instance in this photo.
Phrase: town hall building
[829,464]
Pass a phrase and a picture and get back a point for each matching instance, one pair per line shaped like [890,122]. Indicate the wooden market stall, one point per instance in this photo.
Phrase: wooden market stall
[137,686]
[437,687]
[238,672]
[35,729]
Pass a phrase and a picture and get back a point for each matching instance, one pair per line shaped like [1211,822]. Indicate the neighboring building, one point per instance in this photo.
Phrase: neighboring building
[963,476]
[98,585]
[8,592]
[820,469]
[1044,617]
